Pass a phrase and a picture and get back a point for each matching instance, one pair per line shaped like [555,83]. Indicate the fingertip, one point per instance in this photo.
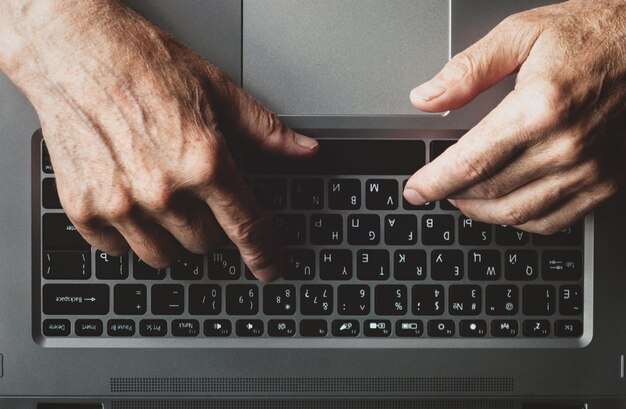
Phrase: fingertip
[268,274]
[413,196]
[426,92]
[306,142]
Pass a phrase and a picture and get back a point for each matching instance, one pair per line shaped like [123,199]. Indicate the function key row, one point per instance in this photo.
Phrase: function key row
[286,299]
[314,328]
[333,265]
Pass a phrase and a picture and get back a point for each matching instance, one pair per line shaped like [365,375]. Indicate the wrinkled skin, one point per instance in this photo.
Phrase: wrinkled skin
[137,125]
[555,147]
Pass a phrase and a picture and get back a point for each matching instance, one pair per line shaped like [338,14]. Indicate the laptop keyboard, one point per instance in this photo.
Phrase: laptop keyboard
[359,262]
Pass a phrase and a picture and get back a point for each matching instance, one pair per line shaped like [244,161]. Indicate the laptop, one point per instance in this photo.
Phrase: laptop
[383,305]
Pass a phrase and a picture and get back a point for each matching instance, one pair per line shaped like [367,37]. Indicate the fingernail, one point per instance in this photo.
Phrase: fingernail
[306,142]
[413,197]
[427,91]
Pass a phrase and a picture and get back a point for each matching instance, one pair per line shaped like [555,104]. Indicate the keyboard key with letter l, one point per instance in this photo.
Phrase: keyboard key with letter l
[75,299]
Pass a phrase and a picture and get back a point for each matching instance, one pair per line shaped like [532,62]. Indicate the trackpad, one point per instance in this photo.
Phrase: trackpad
[348,57]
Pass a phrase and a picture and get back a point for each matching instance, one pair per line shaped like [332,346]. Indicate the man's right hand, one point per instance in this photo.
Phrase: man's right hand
[136,125]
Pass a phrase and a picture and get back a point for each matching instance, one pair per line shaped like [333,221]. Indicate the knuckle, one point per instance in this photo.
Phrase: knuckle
[204,165]
[511,214]
[489,189]
[461,66]
[119,209]
[547,226]
[472,168]
[251,233]
[81,212]
[549,108]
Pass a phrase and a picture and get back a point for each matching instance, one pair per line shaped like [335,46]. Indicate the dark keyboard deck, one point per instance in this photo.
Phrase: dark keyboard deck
[358,262]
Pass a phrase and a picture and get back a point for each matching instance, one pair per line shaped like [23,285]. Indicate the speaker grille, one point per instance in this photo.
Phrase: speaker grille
[303,385]
[313,404]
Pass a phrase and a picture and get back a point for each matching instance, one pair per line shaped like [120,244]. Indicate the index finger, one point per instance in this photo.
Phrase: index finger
[477,155]
[242,219]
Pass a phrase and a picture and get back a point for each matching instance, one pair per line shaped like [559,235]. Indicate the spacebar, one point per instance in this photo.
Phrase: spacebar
[345,157]
[75,299]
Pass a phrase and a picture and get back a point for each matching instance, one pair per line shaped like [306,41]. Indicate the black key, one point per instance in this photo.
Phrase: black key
[46,164]
[504,328]
[57,328]
[188,267]
[224,265]
[313,328]
[335,264]
[409,264]
[439,146]
[562,265]
[75,299]
[473,233]
[409,328]
[571,236]
[67,265]
[111,268]
[472,328]
[344,194]
[205,299]
[465,299]
[521,265]
[438,229]
[185,328]
[570,300]
[502,300]
[271,193]
[408,206]
[568,328]
[289,229]
[50,196]
[345,157]
[446,265]
[391,300]
[484,265]
[316,299]
[446,205]
[121,328]
[60,234]
[299,264]
[401,230]
[279,299]
[307,194]
[326,229]
[249,328]
[153,328]
[539,300]
[217,328]
[242,299]
[536,328]
[377,328]
[143,271]
[346,328]
[281,328]
[381,194]
[353,299]
[168,299]
[88,328]
[441,328]
[130,299]
[364,229]
[372,265]
[428,300]
[510,236]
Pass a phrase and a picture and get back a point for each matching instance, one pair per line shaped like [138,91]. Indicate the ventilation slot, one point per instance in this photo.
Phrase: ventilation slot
[304,385]
[314,404]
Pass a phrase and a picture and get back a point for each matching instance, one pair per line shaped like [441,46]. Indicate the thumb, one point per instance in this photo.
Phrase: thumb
[500,53]
[261,127]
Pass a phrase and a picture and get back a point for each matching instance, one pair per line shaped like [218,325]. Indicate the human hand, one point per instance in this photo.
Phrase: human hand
[136,126]
[555,147]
